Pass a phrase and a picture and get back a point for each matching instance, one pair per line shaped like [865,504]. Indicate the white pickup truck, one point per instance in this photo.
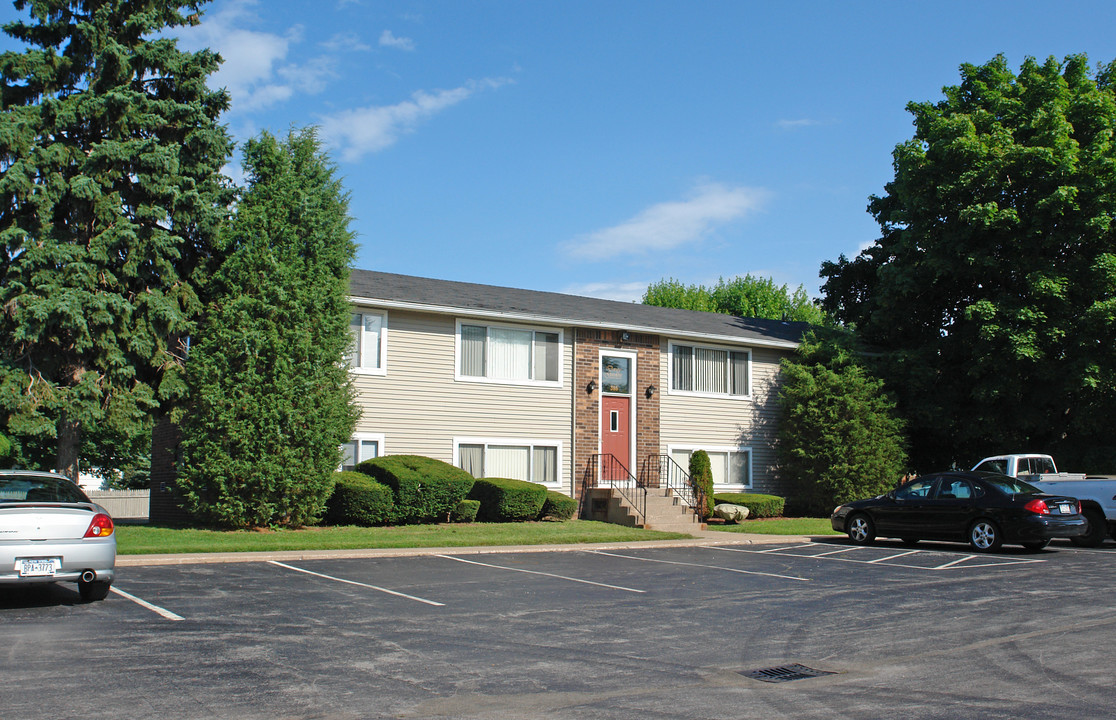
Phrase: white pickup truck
[1096,493]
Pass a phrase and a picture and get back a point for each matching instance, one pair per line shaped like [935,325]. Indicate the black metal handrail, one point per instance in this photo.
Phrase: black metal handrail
[662,471]
[605,470]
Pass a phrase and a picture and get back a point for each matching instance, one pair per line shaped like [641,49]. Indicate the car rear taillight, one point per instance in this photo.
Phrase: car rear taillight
[1038,507]
[100,527]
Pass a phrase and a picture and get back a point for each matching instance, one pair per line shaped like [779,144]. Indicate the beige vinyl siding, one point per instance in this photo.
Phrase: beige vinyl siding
[689,420]
[420,408]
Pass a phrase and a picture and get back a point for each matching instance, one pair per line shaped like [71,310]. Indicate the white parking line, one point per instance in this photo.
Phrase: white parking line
[143,603]
[835,552]
[358,584]
[536,572]
[955,562]
[892,557]
[699,565]
[824,556]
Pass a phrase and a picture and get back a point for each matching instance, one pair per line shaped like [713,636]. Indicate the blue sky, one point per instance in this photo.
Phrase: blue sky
[595,147]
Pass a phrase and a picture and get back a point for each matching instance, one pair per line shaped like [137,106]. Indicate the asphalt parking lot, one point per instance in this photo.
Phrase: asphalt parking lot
[673,632]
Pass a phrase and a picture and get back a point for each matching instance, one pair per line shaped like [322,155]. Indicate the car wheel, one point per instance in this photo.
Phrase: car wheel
[1098,528]
[861,529]
[984,536]
[93,591]
[1036,545]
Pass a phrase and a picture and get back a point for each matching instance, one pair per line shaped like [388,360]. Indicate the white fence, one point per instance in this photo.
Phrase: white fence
[124,504]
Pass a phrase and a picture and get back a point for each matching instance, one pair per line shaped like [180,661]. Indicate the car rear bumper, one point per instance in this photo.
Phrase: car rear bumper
[75,557]
[1049,527]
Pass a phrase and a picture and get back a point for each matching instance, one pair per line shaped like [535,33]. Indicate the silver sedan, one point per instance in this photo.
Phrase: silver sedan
[51,531]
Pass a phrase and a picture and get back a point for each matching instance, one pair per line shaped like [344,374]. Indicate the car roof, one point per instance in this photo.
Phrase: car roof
[36,473]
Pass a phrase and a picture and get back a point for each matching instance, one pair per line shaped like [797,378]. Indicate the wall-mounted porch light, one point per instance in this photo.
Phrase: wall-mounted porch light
[591,386]
[650,391]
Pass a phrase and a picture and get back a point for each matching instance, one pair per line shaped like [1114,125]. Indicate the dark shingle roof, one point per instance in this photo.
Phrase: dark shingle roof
[548,307]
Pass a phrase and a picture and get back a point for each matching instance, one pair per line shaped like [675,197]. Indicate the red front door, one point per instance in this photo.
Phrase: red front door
[616,433]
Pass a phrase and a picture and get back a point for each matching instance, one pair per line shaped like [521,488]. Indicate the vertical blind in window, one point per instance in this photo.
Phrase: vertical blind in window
[365,329]
[508,353]
[517,462]
[707,370]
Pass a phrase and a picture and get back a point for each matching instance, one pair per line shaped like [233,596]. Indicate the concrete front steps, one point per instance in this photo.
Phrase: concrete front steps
[665,511]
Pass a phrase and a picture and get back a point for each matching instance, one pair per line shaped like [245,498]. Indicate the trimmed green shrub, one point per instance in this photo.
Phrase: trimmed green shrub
[424,489]
[701,475]
[465,512]
[758,504]
[558,506]
[358,500]
[504,500]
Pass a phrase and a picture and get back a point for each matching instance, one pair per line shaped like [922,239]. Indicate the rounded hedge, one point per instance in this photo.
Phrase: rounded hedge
[423,489]
[558,506]
[758,504]
[505,500]
[358,500]
[465,512]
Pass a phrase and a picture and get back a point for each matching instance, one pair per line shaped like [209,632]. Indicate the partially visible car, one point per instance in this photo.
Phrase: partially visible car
[51,531]
[985,509]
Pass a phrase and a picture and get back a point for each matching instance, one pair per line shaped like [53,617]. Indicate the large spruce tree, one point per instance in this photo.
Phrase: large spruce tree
[270,400]
[110,201]
[990,295]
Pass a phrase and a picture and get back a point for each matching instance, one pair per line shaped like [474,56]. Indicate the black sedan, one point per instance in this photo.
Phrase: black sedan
[982,508]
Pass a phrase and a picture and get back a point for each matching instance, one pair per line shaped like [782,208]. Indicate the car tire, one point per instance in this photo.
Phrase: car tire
[861,529]
[93,591]
[984,536]
[1098,529]
[1036,545]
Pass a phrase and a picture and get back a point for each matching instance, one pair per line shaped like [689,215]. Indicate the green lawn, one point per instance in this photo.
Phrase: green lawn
[781,526]
[147,540]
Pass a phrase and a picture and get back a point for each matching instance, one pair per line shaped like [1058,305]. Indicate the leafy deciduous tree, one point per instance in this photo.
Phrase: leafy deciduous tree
[110,199]
[746,296]
[991,293]
[270,399]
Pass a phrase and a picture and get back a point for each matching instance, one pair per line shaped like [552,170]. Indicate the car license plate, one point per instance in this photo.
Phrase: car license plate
[39,567]
[1065,509]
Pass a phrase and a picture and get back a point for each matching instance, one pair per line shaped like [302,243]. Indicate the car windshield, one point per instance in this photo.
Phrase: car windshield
[1012,486]
[39,488]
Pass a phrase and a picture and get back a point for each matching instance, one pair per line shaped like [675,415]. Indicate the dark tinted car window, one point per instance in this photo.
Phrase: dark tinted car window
[999,466]
[31,488]
[913,490]
[1012,486]
[955,490]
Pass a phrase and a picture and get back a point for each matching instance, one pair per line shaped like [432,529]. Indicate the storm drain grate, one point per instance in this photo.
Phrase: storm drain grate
[784,673]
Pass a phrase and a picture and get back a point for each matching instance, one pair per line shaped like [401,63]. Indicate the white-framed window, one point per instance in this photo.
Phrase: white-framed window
[716,371]
[508,354]
[363,446]
[732,466]
[535,461]
[368,353]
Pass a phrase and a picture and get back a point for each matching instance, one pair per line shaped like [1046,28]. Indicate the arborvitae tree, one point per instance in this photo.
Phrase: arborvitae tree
[701,476]
[110,200]
[839,438]
[270,399]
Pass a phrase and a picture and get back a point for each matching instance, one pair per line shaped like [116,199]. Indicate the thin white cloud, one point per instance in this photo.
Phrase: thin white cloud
[354,133]
[670,224]
[793,124]
[254,70]
[342,42]
[388,39]
[624,292]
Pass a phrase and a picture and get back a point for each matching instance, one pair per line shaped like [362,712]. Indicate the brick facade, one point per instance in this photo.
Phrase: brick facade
[588,344]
